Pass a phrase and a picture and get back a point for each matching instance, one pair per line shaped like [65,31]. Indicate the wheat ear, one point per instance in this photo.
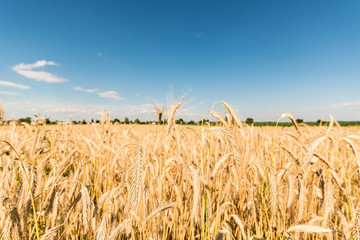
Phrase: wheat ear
[236,119]
[160,209]
[310,229]
[171,116]
[49,234]
[218,164]
[356,227]
[223,133]
[101,233]
[136,179]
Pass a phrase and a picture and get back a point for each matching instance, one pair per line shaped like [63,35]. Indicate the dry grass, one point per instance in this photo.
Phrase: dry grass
[225,182]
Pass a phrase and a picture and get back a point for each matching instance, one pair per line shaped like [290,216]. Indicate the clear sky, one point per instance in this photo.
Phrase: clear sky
[75,58]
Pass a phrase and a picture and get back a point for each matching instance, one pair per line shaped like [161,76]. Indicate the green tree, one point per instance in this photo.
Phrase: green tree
[249,121]
[116,120]
[299,120]
[137,121]
[27,120]
[126,120]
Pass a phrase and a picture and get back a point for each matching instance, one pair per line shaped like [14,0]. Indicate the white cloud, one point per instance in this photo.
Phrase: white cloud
[26,70]
[86,90]
[14,85]
[108,94]
[9,93]
[111,94]
[99,54]
[346,104]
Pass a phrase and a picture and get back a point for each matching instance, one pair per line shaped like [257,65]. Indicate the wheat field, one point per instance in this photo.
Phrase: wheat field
[230,181]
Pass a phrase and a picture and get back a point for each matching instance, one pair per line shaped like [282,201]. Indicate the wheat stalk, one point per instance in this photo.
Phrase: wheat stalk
[29,187]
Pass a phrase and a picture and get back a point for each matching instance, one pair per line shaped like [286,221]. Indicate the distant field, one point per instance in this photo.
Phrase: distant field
[149,182]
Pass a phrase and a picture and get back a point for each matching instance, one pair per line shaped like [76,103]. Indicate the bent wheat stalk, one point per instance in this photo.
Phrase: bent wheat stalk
[291,117]
[160,209]
[220,118]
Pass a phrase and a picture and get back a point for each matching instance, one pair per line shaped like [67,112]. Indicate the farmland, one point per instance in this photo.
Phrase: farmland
[231,181]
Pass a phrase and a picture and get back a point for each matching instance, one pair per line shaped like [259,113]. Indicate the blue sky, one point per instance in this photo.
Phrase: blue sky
[72,59]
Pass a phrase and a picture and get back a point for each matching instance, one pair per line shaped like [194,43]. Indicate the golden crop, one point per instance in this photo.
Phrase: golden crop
[231,181]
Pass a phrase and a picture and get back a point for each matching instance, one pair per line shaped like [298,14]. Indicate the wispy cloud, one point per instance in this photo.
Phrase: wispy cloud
[14,85]
[86,90]
[26,70]
[346,104]
[9,93]
[111,94]
[102,56]
[107,94]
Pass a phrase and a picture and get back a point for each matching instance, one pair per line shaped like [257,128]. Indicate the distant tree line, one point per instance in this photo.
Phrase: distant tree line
[180,121]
